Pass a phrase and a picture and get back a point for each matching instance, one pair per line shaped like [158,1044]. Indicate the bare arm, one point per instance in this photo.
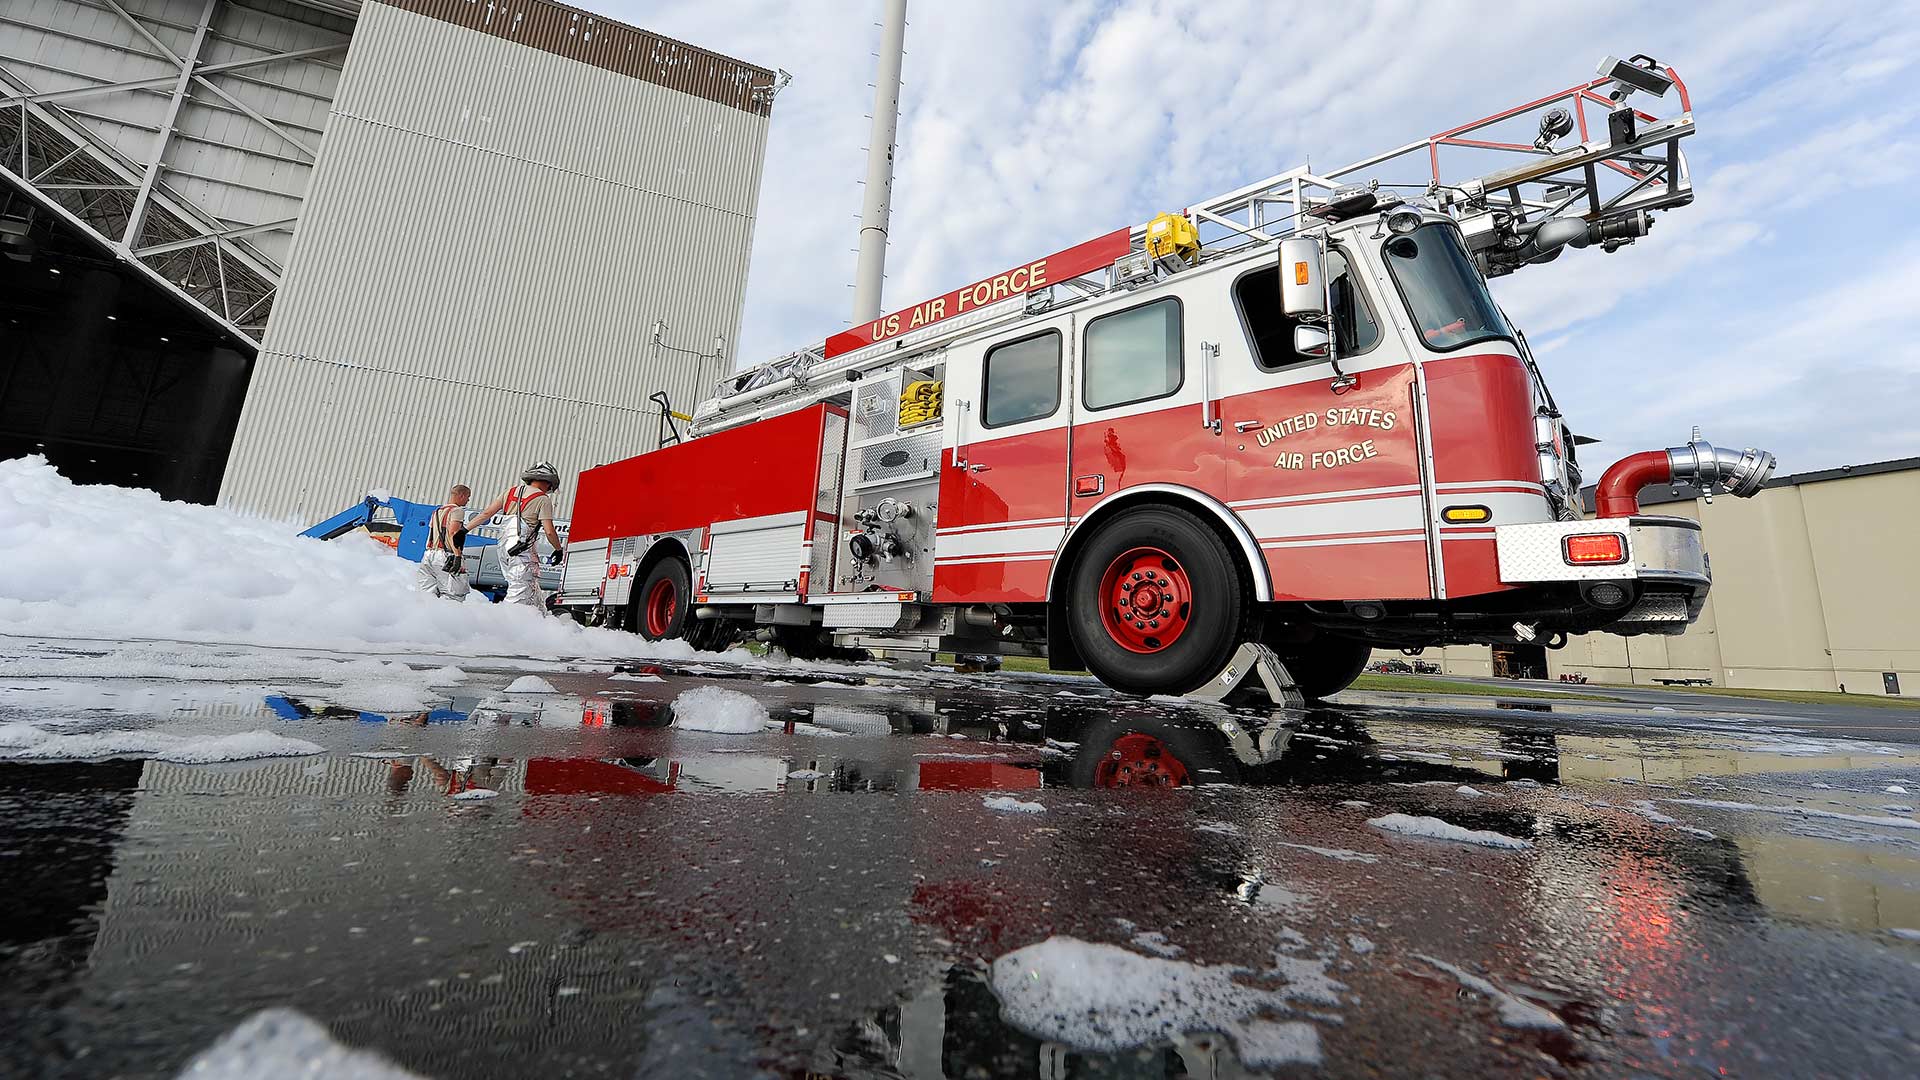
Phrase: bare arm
[493,508]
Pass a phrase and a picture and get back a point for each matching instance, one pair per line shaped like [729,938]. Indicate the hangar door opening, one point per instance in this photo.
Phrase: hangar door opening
[113,380]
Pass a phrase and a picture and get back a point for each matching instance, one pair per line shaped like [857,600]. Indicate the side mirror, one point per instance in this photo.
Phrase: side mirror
[1312,341]
[1303,278]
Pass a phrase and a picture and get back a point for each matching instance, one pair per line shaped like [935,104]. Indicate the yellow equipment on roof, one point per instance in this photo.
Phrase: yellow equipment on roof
[1173,236]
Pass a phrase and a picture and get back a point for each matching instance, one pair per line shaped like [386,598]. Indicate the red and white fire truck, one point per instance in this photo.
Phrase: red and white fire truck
[1292,414]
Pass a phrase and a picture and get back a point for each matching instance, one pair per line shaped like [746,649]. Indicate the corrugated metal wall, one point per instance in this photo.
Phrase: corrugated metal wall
[490,236]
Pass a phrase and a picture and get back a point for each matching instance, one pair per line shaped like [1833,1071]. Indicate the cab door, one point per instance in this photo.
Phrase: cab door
[1326,476]
[1143,399]
[1003,481]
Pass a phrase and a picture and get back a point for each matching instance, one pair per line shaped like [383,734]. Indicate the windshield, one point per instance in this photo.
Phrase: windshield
[1444,292]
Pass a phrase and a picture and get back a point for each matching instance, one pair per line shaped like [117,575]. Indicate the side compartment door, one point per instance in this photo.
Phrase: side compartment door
[1003,486]
[1328,478]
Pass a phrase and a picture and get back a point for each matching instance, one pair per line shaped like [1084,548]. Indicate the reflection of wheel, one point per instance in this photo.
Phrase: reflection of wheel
[1155,604]
[1325,665]
[1138,760]
[1151,754]
[660,605]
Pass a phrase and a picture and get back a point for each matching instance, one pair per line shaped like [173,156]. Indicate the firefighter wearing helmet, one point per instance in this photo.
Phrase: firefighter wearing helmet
[528,507]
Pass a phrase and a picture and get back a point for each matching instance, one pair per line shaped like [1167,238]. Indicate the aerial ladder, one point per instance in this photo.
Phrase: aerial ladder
[1577,168]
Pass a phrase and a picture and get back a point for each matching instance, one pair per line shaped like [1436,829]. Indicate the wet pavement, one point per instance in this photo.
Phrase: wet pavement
[562,884]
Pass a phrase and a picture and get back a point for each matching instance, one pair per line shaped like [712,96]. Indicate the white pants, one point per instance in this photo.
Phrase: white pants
[523,577]
[430,578]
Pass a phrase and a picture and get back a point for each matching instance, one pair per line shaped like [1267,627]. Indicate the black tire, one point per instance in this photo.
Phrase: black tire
[667,585]
[712,635]
[1326,665]
[812,643]
[1211,619]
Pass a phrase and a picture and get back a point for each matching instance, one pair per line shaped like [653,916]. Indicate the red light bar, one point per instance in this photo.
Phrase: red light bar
[1594,549]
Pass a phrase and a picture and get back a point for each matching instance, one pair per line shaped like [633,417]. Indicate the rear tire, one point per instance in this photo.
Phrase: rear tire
[712,635]
[1155,603]
[661,604]
[811,643]
[1326,665]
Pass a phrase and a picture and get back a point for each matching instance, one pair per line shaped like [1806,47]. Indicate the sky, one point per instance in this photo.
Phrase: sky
[1777,311]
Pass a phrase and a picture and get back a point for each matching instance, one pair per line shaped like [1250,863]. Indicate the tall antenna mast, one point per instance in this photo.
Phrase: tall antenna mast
[872,268]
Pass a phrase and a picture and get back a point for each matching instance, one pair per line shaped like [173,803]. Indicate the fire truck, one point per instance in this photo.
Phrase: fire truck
[1290,415]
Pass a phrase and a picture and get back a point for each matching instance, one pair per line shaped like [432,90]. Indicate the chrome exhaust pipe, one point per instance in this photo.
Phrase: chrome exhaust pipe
[1739,473]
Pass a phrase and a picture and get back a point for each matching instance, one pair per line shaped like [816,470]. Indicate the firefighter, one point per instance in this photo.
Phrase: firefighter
[440,570]
[529,509]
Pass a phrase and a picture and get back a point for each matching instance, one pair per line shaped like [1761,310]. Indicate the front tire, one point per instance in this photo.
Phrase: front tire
[1155,603]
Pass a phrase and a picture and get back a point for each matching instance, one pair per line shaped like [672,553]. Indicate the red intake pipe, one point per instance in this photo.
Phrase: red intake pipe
[1619,492]
[1738,473]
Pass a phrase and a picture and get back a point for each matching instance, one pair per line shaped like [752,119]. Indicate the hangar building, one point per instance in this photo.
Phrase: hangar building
[1814,588]
[279,252]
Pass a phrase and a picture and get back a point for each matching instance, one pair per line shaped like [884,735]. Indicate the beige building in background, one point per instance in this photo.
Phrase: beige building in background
[1816,586]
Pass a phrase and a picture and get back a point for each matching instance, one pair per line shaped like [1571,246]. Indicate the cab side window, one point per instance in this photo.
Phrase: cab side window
[1134,355]
[1270,331]
[1021,380]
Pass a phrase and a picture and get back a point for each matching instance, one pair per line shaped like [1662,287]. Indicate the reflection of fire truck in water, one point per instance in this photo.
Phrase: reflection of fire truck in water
[1292,414]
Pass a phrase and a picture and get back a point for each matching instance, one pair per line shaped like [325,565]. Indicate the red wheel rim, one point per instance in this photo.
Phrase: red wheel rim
[1146,600]
[661,604]
[1138,760]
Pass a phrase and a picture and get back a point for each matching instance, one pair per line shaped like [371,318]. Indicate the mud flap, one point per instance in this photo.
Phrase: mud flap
[1255,676]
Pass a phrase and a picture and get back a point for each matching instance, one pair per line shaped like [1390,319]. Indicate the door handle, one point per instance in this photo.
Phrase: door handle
[979,468]
[1244,426]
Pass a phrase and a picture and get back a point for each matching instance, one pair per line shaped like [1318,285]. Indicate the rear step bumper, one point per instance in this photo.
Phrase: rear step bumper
[1662,566]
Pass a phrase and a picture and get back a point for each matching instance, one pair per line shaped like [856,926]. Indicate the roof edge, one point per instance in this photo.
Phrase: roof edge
[610,45]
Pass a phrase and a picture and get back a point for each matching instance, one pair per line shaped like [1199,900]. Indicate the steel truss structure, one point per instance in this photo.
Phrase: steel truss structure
[178,134]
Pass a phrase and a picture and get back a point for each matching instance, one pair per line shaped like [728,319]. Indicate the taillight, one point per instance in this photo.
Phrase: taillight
[1594,549]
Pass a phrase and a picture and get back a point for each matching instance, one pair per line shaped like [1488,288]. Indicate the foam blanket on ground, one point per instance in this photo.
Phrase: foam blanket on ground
[97,561]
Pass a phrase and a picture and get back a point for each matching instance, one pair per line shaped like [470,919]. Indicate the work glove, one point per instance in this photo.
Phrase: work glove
[556,558]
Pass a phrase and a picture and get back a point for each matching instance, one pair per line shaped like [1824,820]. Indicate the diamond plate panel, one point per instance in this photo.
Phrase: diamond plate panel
[1531,552]
[910,457]
[876,409]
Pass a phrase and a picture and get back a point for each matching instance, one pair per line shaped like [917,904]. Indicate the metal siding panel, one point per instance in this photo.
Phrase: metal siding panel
[468,295]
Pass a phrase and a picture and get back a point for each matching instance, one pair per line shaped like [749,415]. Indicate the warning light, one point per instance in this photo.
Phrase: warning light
[1594,549]
[1301,275]
[1466,515]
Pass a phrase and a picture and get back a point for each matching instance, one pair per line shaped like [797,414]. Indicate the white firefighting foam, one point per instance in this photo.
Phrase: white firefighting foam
[282,1042]
[1106,998]
[716,709]
[97,561]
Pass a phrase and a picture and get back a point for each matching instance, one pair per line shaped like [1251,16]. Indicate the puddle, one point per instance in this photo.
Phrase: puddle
[829,895]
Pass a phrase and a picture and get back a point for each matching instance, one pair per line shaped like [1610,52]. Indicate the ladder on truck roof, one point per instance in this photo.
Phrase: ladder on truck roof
[1626,164]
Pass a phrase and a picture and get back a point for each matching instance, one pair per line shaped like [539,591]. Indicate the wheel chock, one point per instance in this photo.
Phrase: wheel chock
[1255,675]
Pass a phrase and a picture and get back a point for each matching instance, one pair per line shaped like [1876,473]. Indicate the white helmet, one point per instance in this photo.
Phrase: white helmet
[541,470]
